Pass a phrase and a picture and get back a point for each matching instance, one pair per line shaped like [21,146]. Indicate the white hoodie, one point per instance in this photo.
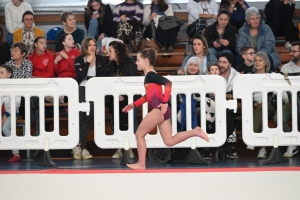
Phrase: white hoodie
[13,16]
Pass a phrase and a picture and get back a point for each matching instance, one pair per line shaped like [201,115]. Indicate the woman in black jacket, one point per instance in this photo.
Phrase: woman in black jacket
[98,20]
[120,65]
[87,65]
[221,36]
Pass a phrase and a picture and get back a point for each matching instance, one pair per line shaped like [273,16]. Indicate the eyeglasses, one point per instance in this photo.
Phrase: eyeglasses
[293,51]
[251,53]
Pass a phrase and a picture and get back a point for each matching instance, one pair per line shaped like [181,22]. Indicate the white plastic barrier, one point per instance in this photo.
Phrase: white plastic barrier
[54,87]
[243,88]
[98,88]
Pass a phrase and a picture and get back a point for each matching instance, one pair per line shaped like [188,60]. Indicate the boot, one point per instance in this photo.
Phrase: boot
[133,46]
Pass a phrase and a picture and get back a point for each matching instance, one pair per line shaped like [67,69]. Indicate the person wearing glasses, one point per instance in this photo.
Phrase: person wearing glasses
[247,52]
[258,35]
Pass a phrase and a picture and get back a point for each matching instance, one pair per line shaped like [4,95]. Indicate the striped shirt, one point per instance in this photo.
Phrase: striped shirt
[131,10]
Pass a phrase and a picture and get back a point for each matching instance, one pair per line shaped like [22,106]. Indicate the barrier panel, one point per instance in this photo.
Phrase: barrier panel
[37,87]
[243,88]
[98,88]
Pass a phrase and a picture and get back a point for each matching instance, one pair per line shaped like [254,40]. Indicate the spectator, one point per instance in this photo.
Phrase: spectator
[87,65]
[128,17]
[237,11]
[22,68]
[28,33]
[68,19]
[279,16]
[64,60]
[192,67]
[247,53]
[293,69]
[259,35]
[221,36]
[152,13]
[5,73]
[226,71]
[207,9]
[98,20]
[120,64]
[4,48]
[213,69]
[13,15]
[42,59]
[200,49]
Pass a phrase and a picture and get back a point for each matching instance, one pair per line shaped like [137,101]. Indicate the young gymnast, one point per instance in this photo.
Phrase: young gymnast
[160,113]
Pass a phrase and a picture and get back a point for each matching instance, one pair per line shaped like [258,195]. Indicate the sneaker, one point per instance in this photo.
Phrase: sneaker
[262,153]
[131,153]
[77,153]
[234,155]
[118,154]
[15,159]
[287,46]
[170,49]
[163,50]
[85,154]
[250,147]
[207,154]
[291,150]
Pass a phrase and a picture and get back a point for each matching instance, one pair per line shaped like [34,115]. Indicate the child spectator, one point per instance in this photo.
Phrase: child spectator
[64,61]
[13,14]
[247,52]
[28,33]
[4,48]
[98,20]
[42,59]
[22,68]
[213,69]
[5,73]
[68,19]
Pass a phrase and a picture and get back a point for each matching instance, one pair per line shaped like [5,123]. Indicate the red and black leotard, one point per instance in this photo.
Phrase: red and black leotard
[154,95]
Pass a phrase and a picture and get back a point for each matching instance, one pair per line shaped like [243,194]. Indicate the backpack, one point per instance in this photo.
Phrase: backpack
[51,34]
[196,27]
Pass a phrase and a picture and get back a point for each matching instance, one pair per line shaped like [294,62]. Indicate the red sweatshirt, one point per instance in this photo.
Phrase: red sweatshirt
[65,67]
[42,64]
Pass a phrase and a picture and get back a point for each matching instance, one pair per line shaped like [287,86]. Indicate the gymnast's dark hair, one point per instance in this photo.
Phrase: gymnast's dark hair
[150,54]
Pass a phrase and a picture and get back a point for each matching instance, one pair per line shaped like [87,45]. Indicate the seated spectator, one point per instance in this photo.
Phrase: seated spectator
[213,69]
[6,72]
[28,33]
[292,69]
[192,67]
[13,15]
[4,48]
[237,11]
[22,68]
[68,19]
[127,19]
[120,64]
[64,60]
[87,65]
[221,36]
[259,35]
[42,59]
[261,66]
[152,13]
[207,9]
[279,16]
[247,53]
[200,49]
[98,20]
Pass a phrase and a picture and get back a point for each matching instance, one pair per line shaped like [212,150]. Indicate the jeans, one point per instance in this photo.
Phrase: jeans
[6,130]
[9,39]
[214,51]
[93,32]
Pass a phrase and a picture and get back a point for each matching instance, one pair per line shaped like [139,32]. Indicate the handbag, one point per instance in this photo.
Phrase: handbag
[196,27]
[150,43]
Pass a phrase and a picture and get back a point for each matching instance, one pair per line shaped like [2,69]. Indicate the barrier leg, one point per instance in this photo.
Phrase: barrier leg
[46,158]
[126,158]
[194,157]
[275,157]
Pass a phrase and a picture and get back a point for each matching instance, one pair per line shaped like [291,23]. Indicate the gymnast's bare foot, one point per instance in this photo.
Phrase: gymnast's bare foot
[136,166]
[201,133]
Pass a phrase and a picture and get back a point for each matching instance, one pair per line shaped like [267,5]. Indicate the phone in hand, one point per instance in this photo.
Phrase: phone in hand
[218,41]
[95,12]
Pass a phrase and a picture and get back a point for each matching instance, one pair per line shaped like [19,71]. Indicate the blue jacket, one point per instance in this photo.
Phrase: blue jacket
[265,43]
[211,59]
